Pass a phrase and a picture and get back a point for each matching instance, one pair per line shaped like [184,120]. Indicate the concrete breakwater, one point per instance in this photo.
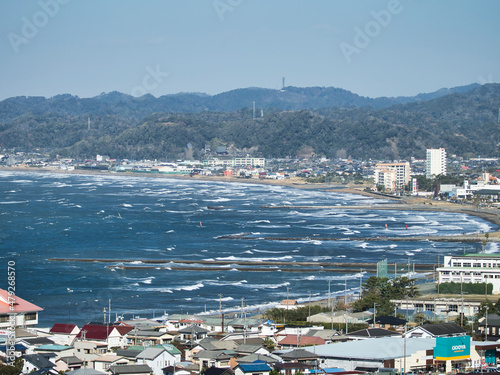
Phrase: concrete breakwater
[465,238]
[278,265]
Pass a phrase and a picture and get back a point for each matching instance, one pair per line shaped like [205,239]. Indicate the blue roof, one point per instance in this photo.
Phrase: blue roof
[53,347]
[18,347]
[332,370]
[251,367]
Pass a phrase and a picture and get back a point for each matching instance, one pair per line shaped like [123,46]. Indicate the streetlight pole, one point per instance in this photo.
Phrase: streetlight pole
[404,345]
[486,325]
[69,304]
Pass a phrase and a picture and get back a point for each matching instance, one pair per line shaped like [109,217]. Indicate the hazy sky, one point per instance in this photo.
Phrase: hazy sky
[372,48]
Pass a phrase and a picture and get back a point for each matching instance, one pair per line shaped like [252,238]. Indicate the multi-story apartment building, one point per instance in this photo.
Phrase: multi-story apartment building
[435,163]
[471,268]
[234,162]
[392,175]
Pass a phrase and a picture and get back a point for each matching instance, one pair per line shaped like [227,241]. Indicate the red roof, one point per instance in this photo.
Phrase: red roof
[191,320]
[98,332]
[94,332]
[20,305]
[62,328]
[123,330]
[303,341]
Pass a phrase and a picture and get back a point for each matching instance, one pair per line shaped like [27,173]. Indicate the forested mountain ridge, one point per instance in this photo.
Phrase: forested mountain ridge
[126,106]
[463,123]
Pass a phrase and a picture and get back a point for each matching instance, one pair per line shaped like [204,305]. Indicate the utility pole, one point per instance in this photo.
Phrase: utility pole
[329,293]
[220,312]
[345,291]
[309,315]
[244,316]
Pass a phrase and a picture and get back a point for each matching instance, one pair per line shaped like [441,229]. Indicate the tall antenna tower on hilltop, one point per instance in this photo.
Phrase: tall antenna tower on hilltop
[283,83]
[498,116]
[88,126]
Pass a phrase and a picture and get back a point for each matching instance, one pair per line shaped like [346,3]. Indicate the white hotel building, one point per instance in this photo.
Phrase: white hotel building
[435,163]
[471,268]
[392,175]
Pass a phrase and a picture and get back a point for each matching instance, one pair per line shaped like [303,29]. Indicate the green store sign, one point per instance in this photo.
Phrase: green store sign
[452,348]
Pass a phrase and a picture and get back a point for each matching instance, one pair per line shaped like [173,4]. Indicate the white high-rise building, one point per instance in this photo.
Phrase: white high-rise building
[435,163]
[392,175]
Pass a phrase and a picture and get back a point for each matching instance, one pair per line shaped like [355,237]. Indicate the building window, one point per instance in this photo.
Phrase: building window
[453,308]
[467,264]
[31,316]
[429,307]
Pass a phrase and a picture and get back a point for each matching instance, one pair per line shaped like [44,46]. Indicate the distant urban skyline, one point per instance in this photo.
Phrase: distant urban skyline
[372,48]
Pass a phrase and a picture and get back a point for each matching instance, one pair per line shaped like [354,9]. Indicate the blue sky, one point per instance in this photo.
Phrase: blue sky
[372,48]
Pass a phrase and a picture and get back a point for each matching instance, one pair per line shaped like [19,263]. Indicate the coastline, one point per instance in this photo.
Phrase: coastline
[405,203]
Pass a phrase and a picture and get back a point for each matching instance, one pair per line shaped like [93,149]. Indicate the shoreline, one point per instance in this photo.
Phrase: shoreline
[406,203]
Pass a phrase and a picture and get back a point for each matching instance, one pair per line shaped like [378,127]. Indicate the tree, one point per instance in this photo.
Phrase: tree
[14,369]
[380,291]
[269,344]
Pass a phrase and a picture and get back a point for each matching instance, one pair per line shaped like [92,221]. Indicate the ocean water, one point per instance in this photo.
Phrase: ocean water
[45,215]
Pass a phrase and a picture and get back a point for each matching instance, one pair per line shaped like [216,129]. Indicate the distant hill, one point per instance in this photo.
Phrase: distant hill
[296,121]
[126,106]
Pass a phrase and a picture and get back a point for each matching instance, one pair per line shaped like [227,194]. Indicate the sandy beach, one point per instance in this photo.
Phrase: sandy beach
[400,203]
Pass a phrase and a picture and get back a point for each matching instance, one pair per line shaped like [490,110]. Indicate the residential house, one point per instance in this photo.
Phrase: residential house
[85,371]
[296,341]
[130,353]
[113,336]
[437,330]
[218,371]
[192,333]
[32,343]
[340,317]
[64,334]
[130,370]
[210,344]
[387,322]
[35,362]
[149,338]
[291,368]
[87,351]
[104,362]
[58,350]
[370,333]
[326,334]
[70,363]
[26,313]
[173,351]
[247,349]
[299,355]
[251,358]
[489,327]
[156,358]
[288,304]
[217,358]
[177,370]
[252,369]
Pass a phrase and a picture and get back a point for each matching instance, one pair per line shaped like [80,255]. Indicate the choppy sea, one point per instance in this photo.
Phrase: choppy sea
[46,215]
